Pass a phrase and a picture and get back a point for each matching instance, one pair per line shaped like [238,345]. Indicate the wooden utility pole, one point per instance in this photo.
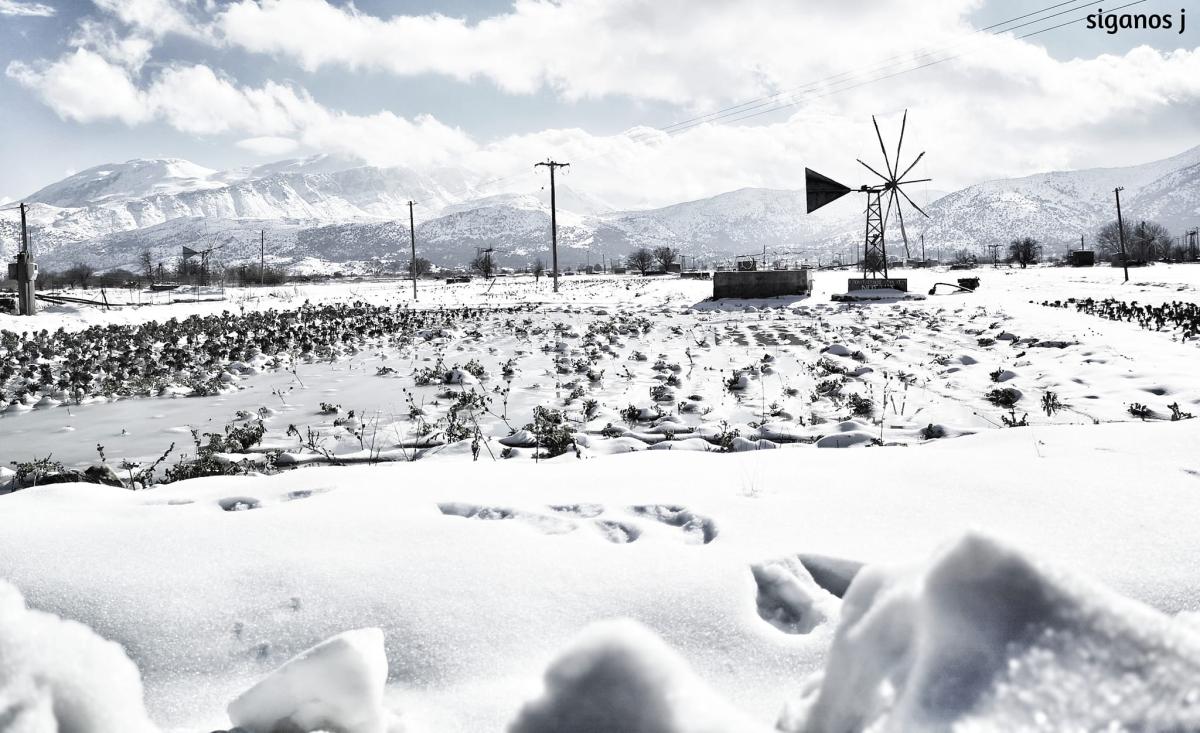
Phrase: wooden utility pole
[24,272]
[553,219]
[1121,231]
[412,238]
[262,257]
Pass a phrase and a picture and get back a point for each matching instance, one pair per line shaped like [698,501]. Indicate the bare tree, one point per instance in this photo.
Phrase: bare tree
[539,269]
[641,259]
[964,257]
[1108,239]
[79,274]
[418,267]
[1024,251]
[665,256]
[1150,241]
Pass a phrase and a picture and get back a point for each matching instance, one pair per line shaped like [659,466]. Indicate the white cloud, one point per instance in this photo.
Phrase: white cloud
[690,52]
[33,10]
[157,18]
[85,87]
[268,145]
[1003,108]
[129,50]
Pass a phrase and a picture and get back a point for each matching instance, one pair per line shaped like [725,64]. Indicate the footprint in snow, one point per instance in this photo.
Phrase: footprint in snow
[697,529]
[618,532]
[541,522]
[303,493]
[584,511]
[239,503]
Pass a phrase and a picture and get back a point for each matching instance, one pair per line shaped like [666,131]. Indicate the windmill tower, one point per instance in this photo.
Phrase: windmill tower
[821,190]
[203,254]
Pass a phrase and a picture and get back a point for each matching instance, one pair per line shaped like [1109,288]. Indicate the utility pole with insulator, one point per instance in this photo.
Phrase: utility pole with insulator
[24,271]
[412,239]
[553,220]
[1121,231]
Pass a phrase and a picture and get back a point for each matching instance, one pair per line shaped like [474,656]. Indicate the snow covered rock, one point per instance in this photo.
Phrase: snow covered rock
[986,638]
[619,676]
[335,686]
[520,439]
[58,675]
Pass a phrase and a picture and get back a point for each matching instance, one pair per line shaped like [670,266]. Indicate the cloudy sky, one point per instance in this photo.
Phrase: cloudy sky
[491,86]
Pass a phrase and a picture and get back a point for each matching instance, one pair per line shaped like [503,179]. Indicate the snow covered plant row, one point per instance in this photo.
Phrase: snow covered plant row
[981,638]
[345,383]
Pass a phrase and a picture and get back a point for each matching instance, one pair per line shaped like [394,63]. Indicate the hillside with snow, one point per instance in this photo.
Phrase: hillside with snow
[347,215]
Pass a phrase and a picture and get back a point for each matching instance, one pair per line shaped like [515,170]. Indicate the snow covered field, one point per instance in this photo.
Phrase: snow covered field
[483,574]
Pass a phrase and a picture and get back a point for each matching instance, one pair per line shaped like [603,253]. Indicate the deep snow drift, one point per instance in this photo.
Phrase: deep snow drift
[480,577]
[982,637]
[487,579]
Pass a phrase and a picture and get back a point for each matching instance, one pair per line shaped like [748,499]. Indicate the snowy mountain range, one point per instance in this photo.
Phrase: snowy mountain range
[324,213]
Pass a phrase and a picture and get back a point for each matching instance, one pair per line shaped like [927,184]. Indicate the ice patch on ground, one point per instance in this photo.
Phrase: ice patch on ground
[619,676]
[335,686]
[59,675]
[987,639]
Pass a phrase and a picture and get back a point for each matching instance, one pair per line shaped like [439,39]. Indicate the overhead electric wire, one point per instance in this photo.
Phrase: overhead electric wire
[875,66]
[782,104]
[790,98]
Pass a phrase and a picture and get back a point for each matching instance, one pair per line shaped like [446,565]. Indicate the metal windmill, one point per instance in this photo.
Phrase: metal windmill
[203,254]
[821,190]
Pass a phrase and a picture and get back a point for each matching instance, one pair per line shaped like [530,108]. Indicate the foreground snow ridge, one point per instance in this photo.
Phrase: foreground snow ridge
[981,638]
[336,686]
[57,675]
[986,638]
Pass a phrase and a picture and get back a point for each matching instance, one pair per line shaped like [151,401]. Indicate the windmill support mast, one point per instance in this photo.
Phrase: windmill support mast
[262,257]
[553,219]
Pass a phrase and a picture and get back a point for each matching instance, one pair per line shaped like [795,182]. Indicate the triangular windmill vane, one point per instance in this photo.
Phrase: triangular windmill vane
[821,190]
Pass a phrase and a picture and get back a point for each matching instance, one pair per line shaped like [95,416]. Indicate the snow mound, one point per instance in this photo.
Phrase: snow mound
[336,685]
[789,598]
[619,676]
[58,675]
[988,639]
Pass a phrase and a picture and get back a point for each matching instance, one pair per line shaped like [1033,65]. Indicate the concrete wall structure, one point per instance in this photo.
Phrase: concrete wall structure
[761,283]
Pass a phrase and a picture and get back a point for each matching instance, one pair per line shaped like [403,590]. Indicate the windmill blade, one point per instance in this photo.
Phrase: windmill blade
[914,163]
[882,148]
[914,204]
[903,232]
[864,165]
[915,180]
[903,124]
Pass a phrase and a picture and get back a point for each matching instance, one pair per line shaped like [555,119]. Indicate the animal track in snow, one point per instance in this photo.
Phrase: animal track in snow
[618,532]
[303,493]
[239,503]
[541,522]
[788,598]
[584,511]
[697,529]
